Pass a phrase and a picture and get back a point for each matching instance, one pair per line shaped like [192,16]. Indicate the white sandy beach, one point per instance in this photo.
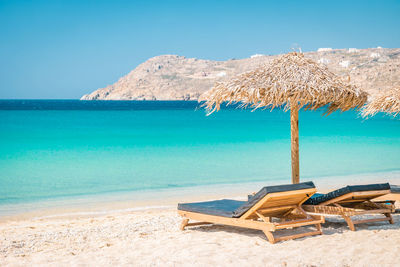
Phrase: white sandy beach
[130,232]
[152,238]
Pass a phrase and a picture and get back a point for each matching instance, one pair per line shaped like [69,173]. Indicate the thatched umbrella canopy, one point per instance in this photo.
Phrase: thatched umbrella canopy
[387,101]
[291,81]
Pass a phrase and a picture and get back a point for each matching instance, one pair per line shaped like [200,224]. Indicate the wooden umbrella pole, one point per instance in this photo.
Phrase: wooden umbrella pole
[294,130]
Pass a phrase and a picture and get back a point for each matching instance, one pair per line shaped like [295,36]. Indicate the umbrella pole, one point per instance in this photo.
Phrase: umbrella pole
[294,130]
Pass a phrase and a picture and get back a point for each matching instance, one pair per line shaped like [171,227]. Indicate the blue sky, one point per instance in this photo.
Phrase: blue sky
[64,49]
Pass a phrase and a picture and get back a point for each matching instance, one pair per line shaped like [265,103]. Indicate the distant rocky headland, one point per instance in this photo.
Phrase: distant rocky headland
[171,77]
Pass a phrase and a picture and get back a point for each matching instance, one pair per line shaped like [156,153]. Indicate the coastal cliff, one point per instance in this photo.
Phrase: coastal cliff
[171,77]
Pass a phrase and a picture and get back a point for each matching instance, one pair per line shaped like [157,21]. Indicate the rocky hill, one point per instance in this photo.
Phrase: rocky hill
[170,77]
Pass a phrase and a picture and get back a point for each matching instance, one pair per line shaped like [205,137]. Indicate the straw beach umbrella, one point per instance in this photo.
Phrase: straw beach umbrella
[290,81]
[388,102]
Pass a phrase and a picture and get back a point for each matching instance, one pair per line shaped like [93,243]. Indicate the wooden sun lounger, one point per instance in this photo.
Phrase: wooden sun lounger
[286,206]
[354,204]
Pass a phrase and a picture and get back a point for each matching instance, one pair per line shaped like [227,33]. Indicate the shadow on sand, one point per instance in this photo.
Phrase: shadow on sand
[333,225]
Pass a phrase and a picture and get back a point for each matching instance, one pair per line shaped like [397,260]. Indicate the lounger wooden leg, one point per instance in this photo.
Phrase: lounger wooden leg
[391,221]
[318,217]
[269,236]
[197,223]
[319,228]
[349,222]
[184,223]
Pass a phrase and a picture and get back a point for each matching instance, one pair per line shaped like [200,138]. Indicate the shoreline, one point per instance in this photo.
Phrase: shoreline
[162,199]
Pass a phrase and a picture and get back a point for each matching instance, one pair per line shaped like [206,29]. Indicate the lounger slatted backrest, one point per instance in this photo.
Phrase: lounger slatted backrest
[283,198]
[351,193]
[279,204]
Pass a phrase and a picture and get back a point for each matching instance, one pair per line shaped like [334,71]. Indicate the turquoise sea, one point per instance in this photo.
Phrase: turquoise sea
[52,149]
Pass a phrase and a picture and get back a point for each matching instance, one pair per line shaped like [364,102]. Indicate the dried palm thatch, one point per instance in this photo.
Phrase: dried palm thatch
[293,82]
[289,80]
[388,101]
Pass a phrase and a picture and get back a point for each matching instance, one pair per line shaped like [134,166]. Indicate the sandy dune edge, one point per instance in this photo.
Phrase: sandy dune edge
[152,238]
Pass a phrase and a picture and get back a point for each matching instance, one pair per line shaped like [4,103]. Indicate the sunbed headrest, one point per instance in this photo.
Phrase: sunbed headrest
[268,190]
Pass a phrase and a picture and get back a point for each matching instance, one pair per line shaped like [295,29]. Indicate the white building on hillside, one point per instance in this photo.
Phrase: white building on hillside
[324,49]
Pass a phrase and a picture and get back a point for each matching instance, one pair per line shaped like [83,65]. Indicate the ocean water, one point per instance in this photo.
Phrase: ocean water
[69,148]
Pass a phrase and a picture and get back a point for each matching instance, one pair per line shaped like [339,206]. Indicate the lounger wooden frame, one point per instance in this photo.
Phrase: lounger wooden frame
[356,203]
[283,205]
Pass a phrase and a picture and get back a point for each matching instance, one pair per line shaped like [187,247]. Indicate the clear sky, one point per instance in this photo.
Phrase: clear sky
[64,49]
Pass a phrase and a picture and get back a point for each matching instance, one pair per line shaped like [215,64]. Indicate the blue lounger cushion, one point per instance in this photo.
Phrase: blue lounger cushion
[223,207]
[395,189]
[317,198]
[234,208]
